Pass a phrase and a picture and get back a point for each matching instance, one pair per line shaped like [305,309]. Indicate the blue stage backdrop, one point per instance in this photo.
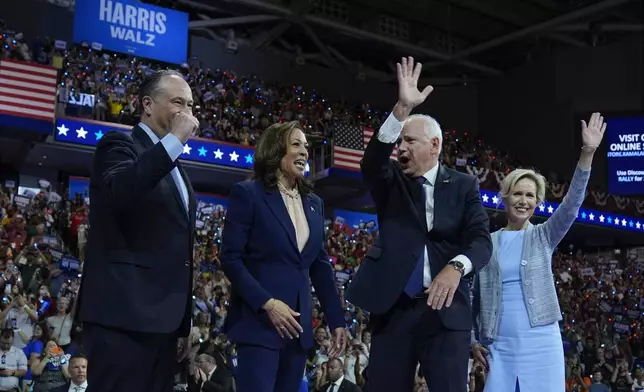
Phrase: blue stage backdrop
[625,155]
[133,27]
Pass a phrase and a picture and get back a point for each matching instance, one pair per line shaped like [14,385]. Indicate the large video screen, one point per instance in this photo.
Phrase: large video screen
[625,141]
[133,27]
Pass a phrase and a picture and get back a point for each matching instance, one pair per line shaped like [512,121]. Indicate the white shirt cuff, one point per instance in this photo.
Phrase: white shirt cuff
[467,263]
[390,130]
[172,146]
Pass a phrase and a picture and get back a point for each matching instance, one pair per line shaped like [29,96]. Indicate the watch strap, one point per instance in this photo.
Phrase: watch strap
[457,266]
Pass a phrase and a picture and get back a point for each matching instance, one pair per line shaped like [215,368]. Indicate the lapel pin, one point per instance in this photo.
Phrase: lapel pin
[446,181]
[312,209]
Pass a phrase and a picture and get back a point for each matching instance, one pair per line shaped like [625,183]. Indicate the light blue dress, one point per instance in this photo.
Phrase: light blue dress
[533,356]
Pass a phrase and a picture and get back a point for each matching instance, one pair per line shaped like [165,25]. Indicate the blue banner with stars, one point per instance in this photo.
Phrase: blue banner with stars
[88,133]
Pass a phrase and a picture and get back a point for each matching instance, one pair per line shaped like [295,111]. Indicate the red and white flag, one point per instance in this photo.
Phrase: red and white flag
[27,90]
[350,142]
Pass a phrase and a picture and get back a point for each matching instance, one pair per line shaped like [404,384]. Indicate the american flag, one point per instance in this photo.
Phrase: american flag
[350,143]
[27,90]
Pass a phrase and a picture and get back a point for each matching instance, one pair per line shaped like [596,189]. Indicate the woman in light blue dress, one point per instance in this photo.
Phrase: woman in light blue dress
[516,335]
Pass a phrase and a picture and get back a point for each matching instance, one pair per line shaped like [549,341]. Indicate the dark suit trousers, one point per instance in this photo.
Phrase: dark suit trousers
[411,332]
[261,369]
[127,361]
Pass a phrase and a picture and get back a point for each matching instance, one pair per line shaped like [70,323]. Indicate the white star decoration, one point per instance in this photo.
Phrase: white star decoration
[485,198]
[81,133]
[623,222]
[233,156]
[187,149]
[591,216]
[62,130]
[495,200]
[616,221]
[601,218]
[218,154]
[550,209]
[542,208]
[637,225]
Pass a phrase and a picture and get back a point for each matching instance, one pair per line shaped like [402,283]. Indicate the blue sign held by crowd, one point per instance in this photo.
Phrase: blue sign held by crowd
[132,27]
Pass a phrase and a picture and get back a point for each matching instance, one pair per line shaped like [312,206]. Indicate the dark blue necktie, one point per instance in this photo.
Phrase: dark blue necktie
[415,283]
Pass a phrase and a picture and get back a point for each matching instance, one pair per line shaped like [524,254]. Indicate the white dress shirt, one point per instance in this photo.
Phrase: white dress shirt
[390,133]
[335,386]
[174,148]
[77,388]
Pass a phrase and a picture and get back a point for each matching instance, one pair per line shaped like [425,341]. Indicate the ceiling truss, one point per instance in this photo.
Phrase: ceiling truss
[555,29]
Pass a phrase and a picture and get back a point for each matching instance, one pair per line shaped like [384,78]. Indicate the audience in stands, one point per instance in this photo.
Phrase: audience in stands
[602,299]
[236,109]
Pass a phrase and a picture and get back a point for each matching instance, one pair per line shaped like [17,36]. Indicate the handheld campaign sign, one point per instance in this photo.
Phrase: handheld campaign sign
[133,27]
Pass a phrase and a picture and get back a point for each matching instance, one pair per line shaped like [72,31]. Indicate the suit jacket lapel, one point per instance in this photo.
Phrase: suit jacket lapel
[273,198]
[139,135]
[441,194]
[191,195]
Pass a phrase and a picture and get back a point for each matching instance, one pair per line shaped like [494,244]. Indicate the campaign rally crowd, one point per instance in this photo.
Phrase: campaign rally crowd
[42,241]
[600,301]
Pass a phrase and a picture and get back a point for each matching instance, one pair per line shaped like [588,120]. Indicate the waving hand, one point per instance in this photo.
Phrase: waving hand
[408,93]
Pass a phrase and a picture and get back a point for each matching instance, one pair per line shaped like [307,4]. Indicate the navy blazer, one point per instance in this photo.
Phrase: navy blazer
[461,226]
[261,259]
[138,273]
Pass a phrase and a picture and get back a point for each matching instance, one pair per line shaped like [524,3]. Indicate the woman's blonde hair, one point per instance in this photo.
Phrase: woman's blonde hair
[517,175]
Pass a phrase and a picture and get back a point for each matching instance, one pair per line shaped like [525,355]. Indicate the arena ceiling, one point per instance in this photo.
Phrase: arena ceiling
[460,41]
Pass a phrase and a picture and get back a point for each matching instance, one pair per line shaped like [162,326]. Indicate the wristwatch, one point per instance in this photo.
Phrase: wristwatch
[460,267]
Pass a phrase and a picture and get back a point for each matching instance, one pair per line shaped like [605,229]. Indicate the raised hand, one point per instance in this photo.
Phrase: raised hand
[408,93]
[182,125]
[593,132]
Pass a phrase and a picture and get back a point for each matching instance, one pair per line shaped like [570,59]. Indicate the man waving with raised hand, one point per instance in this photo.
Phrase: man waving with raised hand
[434,233]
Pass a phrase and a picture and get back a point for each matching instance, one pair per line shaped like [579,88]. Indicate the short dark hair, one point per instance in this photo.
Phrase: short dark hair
[6,333]
[150,84]
[77,356]
[269,153]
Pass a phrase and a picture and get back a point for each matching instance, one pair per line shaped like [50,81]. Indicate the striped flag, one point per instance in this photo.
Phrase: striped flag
[27,90]
[349,146]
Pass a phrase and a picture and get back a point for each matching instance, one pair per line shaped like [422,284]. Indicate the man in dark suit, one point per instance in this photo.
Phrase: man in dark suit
[212,376]
[337,382]
[434,233]
[136,287]
[78,375]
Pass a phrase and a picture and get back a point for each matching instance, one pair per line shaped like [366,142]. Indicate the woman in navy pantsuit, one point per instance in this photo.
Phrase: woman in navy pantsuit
[273,245]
